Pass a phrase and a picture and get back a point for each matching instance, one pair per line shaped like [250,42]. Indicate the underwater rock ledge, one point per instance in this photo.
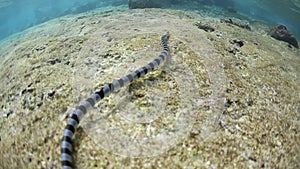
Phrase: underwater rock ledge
[282,33]
[135,4]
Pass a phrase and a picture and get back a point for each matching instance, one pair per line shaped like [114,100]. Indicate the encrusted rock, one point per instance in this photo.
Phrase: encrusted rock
[281,32]
[205,27]
[236,23]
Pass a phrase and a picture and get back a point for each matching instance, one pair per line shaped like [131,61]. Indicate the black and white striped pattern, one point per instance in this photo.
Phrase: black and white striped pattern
[77,115]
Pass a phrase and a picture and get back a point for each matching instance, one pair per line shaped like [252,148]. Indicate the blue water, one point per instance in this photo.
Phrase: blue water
[18,15]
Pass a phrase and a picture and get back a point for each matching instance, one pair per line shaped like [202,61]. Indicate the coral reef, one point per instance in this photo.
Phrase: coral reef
[237,90]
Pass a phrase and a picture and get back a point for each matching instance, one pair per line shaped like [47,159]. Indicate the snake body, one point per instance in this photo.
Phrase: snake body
[77,115]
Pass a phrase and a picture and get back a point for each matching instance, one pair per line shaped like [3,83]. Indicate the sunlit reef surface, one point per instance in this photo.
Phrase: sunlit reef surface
[242,86]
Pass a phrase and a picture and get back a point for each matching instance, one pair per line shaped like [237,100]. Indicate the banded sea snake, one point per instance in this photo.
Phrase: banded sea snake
[77,115]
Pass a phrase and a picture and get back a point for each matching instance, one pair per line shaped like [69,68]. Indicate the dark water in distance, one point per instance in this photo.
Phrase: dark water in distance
[18,15]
